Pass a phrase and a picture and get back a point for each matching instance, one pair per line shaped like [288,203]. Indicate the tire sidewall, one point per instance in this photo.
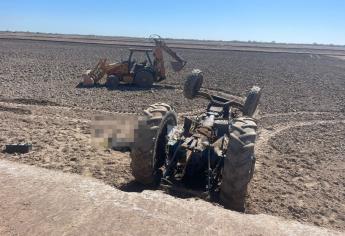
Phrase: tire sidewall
[112,82]
[144,78]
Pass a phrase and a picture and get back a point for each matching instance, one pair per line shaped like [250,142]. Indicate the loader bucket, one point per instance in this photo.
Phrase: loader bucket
[90,77]
[177,66]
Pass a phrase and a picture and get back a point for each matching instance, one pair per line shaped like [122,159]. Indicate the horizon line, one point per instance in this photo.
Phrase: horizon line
[191,39]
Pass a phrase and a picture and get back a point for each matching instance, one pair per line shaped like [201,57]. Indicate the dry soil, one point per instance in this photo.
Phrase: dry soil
[300,161]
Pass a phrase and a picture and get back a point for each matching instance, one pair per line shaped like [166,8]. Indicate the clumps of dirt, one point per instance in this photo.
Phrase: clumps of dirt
[15,110]
[61,140]
[28,101]
[300,168]
[290,82]
[301,174]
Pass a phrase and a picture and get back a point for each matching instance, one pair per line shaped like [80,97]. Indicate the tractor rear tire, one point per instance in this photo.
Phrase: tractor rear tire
[252,102]
[112,82]
[193,84]
[144,79]
[148,151]
[239,164]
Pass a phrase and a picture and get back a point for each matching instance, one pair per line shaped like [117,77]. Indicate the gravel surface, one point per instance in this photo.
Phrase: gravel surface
[300,164]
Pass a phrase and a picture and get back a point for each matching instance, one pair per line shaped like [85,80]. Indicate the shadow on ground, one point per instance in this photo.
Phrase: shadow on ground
[128,87]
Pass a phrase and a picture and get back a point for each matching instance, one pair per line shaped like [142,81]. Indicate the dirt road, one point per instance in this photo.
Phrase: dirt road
[37,201]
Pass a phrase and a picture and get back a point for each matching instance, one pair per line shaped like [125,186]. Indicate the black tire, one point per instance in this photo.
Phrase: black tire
[148,150]
[112,82]
[144,79]
[193,84]
[252,102]
[239,164]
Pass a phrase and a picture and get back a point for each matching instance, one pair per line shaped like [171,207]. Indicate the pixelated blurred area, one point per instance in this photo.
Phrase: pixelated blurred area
[115,131]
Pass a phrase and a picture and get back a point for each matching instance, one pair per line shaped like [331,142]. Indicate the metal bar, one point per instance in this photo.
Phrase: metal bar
[169,165]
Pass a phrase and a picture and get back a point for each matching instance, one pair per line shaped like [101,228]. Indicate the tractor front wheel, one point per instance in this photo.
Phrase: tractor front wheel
[252,102]
[193,84]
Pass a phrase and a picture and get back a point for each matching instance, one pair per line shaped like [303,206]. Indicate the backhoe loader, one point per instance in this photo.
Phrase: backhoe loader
[142,74]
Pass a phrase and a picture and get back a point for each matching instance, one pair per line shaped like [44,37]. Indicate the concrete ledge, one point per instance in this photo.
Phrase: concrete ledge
[36,201]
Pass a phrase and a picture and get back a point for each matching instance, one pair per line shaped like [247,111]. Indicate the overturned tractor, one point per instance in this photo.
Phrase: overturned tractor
[213,151]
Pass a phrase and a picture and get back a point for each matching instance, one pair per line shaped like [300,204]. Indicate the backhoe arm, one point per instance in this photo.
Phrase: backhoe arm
[173,54]
[159,60]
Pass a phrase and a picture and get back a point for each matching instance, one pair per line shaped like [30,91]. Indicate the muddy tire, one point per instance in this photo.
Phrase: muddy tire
[239,164]
[144,79]
[112,82]
[252,102]
[193,84]
[148,151]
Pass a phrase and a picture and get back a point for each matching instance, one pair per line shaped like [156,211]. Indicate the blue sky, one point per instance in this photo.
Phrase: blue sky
[296,21]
